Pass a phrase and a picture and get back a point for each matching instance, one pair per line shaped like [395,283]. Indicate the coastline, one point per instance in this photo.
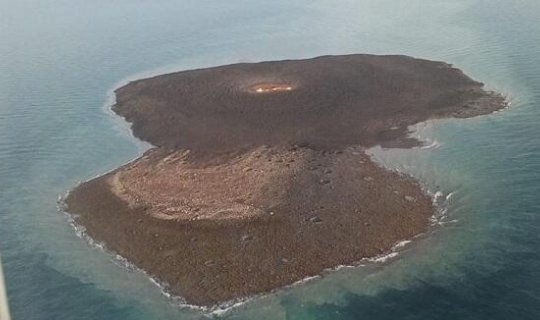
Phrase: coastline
[224,307]
[381,255]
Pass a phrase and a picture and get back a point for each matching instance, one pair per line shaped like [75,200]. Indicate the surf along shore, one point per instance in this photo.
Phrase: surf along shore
[259,176]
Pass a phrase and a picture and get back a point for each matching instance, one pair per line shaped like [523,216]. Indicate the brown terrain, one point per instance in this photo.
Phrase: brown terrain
[259,176]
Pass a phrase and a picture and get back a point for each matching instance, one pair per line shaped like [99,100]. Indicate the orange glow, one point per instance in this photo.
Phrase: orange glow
[269,87]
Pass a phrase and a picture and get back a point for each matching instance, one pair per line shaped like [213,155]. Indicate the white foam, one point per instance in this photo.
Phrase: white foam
[345,266]
[306,279]
[442,223]
[383,258]
[222,310]
[401,244]
[433,145]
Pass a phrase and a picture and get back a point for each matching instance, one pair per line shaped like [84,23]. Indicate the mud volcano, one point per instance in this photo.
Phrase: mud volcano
[259,178]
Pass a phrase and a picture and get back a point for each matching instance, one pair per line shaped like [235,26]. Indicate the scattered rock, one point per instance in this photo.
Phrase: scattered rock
[324,181]
[368,178]
[315,219]
[409,198]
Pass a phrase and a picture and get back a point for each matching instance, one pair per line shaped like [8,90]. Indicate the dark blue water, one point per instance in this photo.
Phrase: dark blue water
[60,59]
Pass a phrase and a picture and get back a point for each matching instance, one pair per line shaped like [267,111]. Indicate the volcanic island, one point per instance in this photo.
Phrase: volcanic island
[259,176]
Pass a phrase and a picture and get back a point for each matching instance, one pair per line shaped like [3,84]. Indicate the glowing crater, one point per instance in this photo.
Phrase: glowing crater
[271,87]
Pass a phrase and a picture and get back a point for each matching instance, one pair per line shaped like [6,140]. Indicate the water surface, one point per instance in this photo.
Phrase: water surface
[60,59]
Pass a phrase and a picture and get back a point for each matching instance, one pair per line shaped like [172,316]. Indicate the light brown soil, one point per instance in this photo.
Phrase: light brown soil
[250,191]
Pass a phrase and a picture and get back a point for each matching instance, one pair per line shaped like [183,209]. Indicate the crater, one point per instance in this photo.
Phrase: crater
[271,87]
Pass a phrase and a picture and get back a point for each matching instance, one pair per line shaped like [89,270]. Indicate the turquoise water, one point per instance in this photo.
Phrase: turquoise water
[60,59]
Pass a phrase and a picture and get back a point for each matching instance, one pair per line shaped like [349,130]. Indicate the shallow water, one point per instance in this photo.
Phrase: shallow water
[60,59]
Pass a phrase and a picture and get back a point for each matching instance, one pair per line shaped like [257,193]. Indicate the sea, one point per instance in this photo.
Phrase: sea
[60,61]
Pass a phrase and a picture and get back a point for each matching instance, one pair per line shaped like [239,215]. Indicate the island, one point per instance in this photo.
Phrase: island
[259,176]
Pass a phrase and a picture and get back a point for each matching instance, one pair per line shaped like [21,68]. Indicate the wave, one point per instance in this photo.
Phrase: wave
[433,145]
[401,244]
[383,258]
